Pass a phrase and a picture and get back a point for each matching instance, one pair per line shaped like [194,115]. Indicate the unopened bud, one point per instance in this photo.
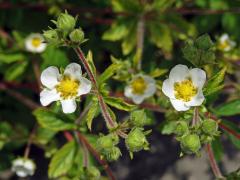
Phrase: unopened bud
[50,35]
[209,126]
[77,36]
[112,154]
[107,142]
[65,22]
[139,118]
[190,143]
[93,173]
[181,128]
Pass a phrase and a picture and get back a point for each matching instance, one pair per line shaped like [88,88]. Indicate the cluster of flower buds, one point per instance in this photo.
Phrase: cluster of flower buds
[23,167]
[65,31]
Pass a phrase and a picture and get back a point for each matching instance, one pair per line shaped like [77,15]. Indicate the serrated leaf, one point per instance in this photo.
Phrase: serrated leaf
[62,160]
[91,114]
[53,121]
[215,83]
[228,109]
[204,42]
[10,58]
[110,71]
[119,103]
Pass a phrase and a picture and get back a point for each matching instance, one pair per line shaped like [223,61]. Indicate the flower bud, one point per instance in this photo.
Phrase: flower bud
[139,118]
[209,126]
[77,36]
[65,22]
[50,35]
[181,128]
[136,140]
[112,154]
[107,142]
[93,173]
[190,143]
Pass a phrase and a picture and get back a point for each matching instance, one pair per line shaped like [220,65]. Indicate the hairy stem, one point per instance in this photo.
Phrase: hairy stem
[195,116]
[97,156]
[213,162]
[103,106]
[140,40]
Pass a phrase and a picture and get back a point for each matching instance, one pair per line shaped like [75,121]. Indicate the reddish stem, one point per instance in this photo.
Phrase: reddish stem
[213,162]
[221,125]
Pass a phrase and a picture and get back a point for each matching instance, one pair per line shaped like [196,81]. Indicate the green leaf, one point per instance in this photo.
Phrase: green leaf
[15,71]
[113,68]
[116,32]
[91,114]
[54,57]
[119,103]
[215,83]
[200,52]
[10,58]
[91,63]
[62,160]
[161,36]
[167,127]
[235,141]
[53,121]
[217,148]
[44,135]
[157,72]
[228,109]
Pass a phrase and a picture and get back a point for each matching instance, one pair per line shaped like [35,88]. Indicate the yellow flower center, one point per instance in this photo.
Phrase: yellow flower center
[223,45]
[36,42]
[138,86]
[68,88]
[185,90]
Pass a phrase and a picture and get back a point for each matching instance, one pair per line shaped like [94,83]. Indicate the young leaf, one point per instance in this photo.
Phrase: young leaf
[90,62]
[52,121]
[109,72]
[91,114]
[228,109]
[119,103]
[62,160]
[215,83]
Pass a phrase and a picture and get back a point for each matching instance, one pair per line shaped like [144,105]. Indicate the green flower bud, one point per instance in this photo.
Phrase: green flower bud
[139,118]
[190,143]
[93,173]
[107,142]
[51,35]
[77,36]
[181,128]
[209,126]
[66,22]
[112,154]
[136,140]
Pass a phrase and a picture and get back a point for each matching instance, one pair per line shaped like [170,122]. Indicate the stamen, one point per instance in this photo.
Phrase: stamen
[138,86]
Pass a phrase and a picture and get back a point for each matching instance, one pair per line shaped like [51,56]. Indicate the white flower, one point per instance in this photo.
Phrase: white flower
[184,87]
[35,43]
[65,87]
[140,88]
[23,167]
[225,43]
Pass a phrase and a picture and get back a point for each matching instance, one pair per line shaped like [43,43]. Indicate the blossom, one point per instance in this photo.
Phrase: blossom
[184,87]
[225,43]
[23,167]
[140,87]
[65,87]
[35,43]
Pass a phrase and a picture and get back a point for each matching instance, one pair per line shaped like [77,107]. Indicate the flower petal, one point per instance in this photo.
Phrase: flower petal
[69,105]
[73,70]
[179,105]
[41,47]
[137,99]
[168,88]
[151,86]
[21,173]
[128,92]
[85,86]
[48,96]
[179,73]
[196,100]
[50,77]
[198,77]
[224,38]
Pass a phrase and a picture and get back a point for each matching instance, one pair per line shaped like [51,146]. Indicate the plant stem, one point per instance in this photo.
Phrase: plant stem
[36,72]
[97,156]
[104,109]
[195,116]
[213,162]
[140,40]
[29,143]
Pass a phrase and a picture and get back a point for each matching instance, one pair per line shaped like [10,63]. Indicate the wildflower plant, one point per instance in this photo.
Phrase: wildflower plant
[79,98]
